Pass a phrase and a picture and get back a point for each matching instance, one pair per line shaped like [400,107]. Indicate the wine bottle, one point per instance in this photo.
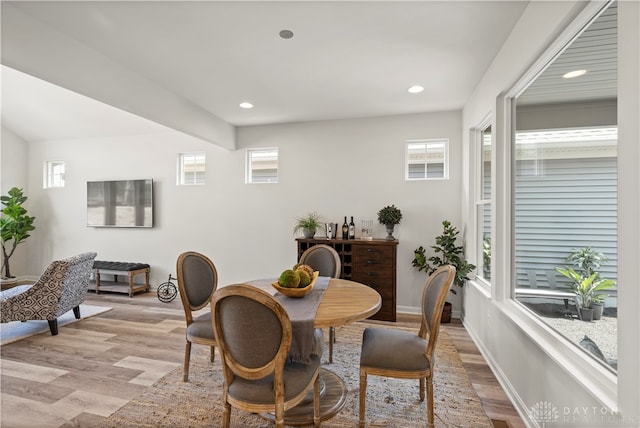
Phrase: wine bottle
[345,229]
[352,229]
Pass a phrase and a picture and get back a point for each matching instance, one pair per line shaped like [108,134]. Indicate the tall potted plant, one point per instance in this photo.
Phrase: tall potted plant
[15,226]
[390,216]
[446,252]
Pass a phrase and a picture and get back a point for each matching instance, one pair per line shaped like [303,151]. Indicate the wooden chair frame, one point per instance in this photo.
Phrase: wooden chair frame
[189,308]
[429,329]
[275,367]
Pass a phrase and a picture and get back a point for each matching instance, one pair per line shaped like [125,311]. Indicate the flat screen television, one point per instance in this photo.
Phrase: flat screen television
[120,203]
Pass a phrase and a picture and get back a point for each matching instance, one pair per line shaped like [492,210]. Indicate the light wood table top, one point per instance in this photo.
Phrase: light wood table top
[345,302]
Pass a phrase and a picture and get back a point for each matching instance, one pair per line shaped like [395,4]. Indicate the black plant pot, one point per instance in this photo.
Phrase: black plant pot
[586,314]
[446,313]
[598,308]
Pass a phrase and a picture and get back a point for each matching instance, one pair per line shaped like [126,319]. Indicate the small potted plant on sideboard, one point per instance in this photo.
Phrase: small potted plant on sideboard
[308,224]
[390,216]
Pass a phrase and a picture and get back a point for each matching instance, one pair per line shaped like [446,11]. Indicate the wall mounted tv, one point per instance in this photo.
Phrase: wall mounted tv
[120,203]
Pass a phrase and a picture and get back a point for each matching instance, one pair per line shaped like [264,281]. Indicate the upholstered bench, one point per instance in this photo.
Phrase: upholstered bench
[129,269]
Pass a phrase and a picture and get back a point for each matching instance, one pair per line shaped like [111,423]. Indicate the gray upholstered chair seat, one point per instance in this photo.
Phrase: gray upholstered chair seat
[201,327]
[398,350]
[296,377]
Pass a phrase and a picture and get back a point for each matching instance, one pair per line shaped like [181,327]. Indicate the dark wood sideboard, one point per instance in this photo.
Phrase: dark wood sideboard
[369,262]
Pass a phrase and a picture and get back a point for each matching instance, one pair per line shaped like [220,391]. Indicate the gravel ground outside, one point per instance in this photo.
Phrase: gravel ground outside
[604,332]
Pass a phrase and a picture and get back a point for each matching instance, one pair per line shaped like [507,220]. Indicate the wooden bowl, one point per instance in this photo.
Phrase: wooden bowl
[297,292]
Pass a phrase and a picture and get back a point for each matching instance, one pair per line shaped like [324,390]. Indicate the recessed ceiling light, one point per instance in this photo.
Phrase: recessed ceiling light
[416,89]
[574,73]
[246,105]
[286,34]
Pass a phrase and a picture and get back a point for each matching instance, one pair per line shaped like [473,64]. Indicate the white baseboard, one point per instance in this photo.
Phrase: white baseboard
[411,310]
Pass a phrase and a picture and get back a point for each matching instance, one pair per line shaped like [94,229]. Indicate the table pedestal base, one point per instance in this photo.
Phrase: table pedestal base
[333,396]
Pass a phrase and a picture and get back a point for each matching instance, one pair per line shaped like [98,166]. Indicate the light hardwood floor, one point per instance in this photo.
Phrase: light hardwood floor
[139,342]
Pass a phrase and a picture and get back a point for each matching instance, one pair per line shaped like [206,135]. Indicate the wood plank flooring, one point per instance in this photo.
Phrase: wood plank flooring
[494,400]
[94,375]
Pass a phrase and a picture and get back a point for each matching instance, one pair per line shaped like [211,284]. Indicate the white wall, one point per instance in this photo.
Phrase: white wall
[13,173]
[337,168]
[532,363]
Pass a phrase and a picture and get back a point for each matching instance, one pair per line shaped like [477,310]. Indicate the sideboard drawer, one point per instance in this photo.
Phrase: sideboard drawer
[375,257]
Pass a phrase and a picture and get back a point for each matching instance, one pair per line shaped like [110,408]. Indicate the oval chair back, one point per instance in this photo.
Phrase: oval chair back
[197,281]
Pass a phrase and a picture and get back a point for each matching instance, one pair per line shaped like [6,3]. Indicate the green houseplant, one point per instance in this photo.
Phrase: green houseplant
[308,224]
[586,282]
[446,252]
[15,226]
[588,289]
[390,216]
[587,259]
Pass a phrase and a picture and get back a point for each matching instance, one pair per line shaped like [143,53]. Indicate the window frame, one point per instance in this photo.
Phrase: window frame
[479,198]
[181,173]
[48,180]
[249,165]
[594,377]
[427,142]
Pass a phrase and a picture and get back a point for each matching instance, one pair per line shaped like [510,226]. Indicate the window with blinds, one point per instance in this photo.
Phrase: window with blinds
[53,174]
[426,159]
[262,165]
[191,169]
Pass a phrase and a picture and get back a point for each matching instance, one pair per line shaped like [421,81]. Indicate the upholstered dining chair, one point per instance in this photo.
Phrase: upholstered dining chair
[414,356]
[61,288]
[197,280]
[254,336]
[325,260]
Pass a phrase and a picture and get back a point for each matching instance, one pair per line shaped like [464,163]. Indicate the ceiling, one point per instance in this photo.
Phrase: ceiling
[594,50]
[345,60]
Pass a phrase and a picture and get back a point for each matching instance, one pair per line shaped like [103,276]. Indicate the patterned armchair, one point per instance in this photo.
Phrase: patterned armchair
[61,287]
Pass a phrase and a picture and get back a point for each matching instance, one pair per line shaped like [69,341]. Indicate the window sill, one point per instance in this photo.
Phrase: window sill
[601,382]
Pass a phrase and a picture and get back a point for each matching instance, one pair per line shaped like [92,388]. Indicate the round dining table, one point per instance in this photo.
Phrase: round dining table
[343,302]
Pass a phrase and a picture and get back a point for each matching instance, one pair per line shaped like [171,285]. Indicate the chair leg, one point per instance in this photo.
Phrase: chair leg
[316,401]
[363,396]
[187,357]
[332,339]
[226,415]
[53,326]
[76,312]
[213,354]
[430,401]
[279,418]
[421,389]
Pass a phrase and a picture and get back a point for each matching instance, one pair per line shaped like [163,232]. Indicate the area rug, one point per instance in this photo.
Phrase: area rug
[16,330]
[170,402]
